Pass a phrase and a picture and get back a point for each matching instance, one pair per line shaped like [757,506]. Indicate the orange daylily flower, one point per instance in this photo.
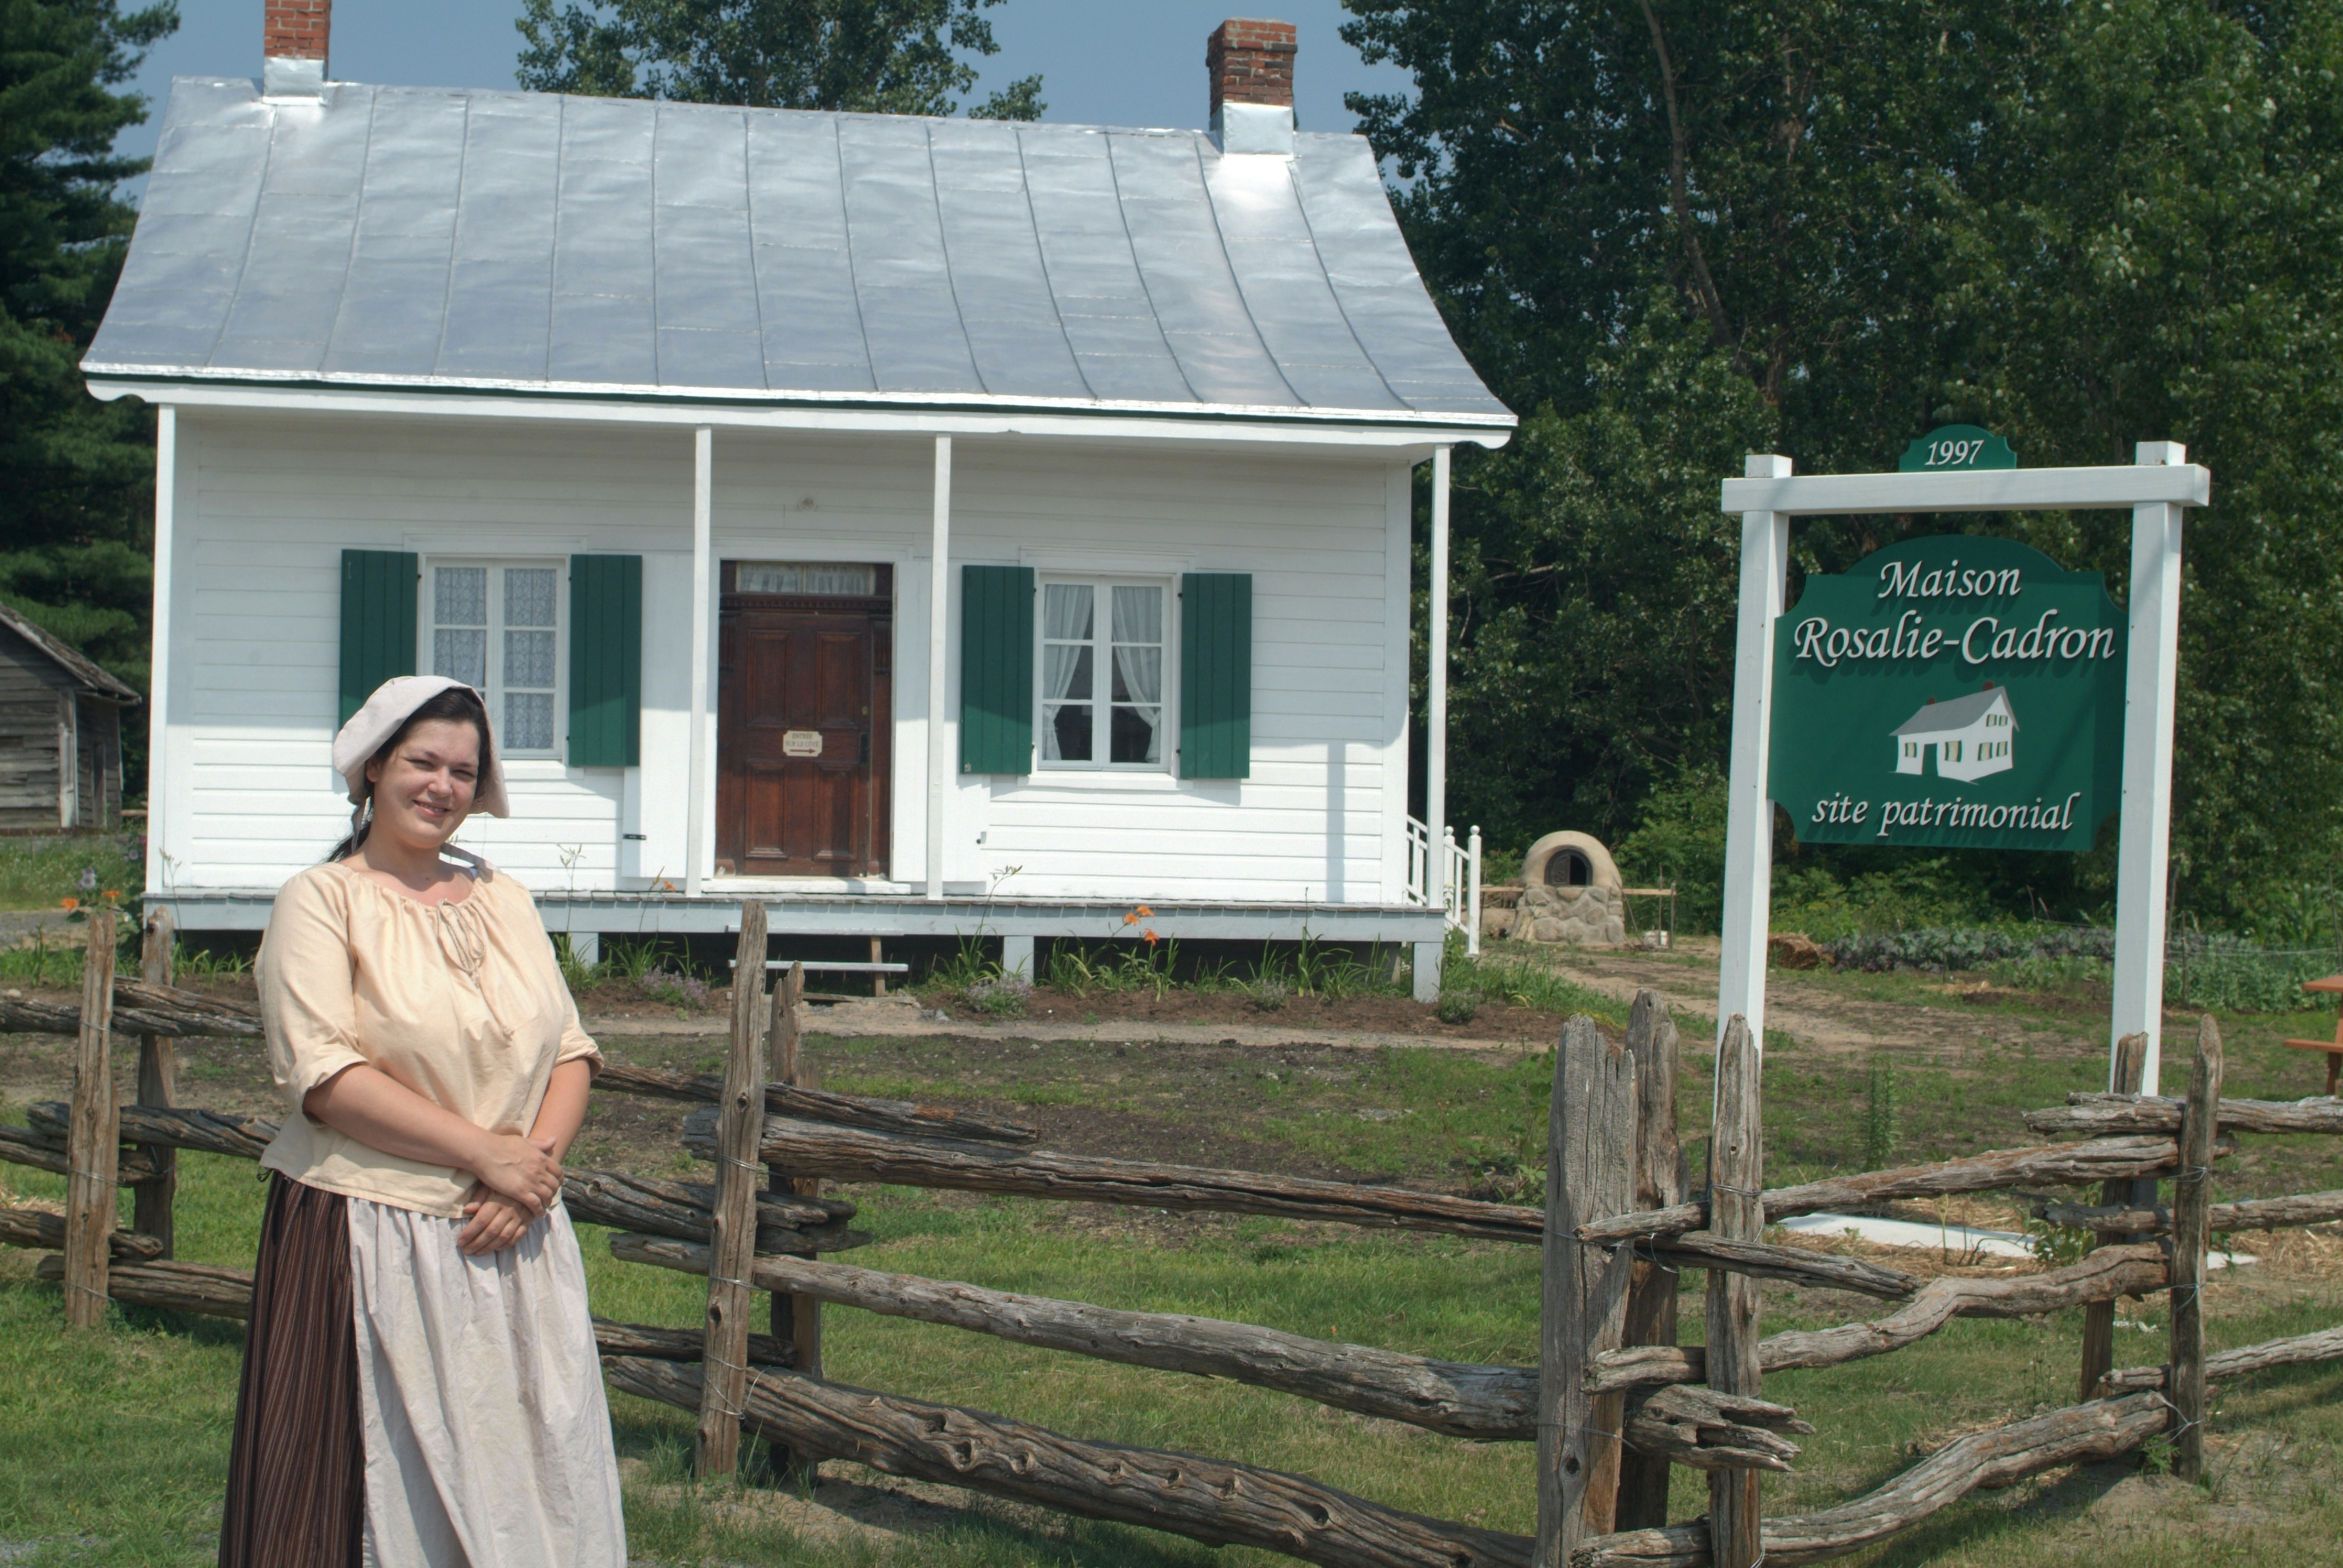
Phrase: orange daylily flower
[1146,912]
[1130,920]
[70,903]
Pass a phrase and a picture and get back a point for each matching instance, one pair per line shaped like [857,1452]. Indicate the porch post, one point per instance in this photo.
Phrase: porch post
[1749,808]
[703,529]
[2143,856]
[1436,748]
[939,775]
[159,795]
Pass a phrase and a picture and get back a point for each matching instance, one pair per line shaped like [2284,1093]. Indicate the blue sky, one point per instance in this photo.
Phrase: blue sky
[1104,62]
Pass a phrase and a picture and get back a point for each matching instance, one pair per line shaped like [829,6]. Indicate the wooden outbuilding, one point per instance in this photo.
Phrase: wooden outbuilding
[60,733]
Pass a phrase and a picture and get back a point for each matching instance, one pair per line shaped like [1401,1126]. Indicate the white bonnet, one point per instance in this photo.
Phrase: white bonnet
[373,725]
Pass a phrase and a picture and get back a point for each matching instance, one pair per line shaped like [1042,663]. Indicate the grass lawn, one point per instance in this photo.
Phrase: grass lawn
[112,1445]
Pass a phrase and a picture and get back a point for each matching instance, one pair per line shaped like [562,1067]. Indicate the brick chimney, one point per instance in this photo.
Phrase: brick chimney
[1251,67]
[292,47]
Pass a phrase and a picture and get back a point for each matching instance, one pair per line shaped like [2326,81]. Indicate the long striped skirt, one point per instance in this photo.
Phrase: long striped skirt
[406,1406]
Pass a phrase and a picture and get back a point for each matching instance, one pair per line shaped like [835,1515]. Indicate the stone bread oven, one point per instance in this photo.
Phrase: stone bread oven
[1571,893]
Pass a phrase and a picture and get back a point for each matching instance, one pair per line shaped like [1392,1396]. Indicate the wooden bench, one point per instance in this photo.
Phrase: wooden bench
[876,970]
[2332,985]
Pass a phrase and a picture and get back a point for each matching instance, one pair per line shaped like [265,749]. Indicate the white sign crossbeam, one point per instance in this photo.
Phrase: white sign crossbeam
[1978,490]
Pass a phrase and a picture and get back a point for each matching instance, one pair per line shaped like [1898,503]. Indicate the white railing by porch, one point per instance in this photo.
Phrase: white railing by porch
[1459,889]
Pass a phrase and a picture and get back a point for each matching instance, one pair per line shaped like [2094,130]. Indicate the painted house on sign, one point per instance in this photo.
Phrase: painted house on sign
[919,524]
[1970,735]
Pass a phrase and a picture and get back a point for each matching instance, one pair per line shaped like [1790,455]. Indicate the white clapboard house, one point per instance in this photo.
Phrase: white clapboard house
[1971,736]
[928,526]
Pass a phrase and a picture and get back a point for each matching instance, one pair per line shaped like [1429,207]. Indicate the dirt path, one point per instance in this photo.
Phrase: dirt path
[903,1018]
[1820,1016]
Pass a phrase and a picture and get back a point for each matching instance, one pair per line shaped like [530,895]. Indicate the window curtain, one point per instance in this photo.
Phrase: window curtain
[1138,660]
[1066,621]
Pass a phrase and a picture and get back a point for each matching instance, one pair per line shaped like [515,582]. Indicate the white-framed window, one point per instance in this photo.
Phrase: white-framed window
[1105,665]
[497,625]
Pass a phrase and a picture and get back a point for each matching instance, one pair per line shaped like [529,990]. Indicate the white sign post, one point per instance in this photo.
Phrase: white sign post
[2159,487]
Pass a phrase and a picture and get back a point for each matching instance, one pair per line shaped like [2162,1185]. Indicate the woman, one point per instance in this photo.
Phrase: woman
[420,1383]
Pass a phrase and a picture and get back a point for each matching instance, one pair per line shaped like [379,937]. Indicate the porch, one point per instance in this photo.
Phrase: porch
[587,917]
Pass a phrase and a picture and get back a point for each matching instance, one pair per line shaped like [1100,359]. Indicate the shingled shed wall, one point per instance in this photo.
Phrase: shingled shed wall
[42,714]
[1251,63]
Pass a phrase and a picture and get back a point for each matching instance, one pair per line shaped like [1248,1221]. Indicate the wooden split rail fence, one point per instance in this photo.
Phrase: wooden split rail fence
[1621,1221]
[2128,1141]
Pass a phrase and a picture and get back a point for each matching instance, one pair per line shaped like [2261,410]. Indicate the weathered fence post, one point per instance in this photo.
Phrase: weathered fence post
[1737,1213]
[1589,1175]
[1660,1182]
[159,1083]
[2192,1189]
[93,1136]
[2099,1317]
[732,1231]
[796,1319]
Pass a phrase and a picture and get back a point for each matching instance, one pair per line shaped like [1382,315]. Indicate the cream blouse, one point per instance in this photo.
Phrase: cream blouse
[461,1002]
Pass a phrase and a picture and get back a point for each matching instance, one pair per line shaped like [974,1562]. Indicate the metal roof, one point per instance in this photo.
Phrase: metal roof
[1958,713]
[530,242]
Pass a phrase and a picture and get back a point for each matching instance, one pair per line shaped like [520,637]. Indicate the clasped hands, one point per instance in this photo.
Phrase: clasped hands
[515,1176]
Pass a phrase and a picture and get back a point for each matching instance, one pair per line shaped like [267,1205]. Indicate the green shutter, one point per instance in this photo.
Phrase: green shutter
[378,622]
[1215,675]
[606,662]
[996,669]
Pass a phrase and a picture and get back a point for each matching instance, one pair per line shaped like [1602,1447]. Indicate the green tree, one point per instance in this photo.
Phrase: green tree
[2078,225]
[75,475]
[873,57]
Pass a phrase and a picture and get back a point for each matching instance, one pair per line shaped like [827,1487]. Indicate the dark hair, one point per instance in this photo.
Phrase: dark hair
[456,705]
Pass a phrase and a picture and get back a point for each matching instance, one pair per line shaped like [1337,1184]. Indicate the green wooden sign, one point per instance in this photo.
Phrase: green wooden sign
[1955,447]
[1954,691]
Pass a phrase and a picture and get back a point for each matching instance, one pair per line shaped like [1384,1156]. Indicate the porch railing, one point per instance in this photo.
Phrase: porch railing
[1459,889]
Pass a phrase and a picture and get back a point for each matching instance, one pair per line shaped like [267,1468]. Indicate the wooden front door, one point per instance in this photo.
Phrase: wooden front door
[804,711]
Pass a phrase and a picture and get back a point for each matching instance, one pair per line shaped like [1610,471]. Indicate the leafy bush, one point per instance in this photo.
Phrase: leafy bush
[674,986]
[1912,894]
[1679,843]
[1267,993]
[1457,1006]
[1500,868]
[2232,975]
[1940,950]
[2301,915]
[2051,971]
[967,968]
[1003,998]
[1332,974]
[2058,1246]
[1079,969]
[2223,972]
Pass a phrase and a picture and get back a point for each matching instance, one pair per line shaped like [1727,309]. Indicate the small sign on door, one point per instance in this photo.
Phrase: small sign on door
[800,742]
